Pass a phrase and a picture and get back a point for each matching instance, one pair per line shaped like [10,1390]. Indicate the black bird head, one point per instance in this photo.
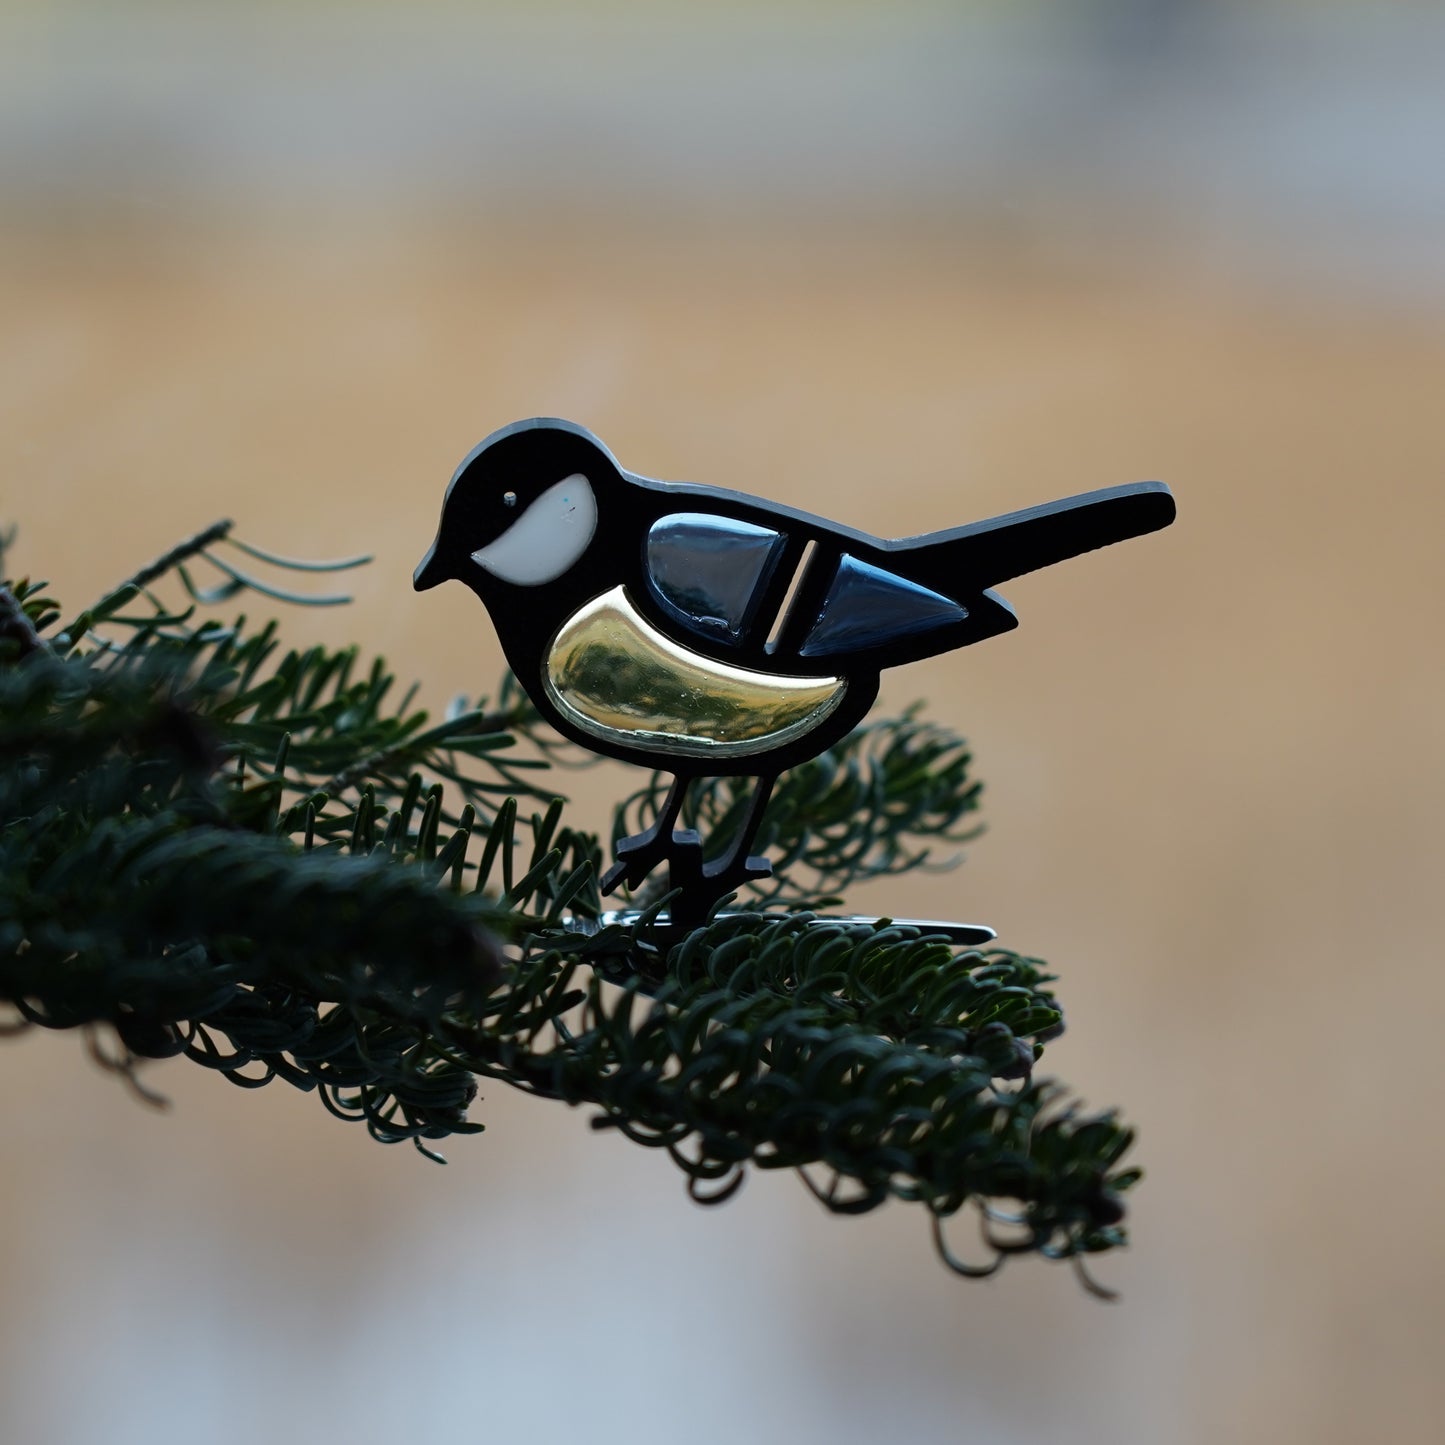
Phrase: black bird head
[522,508]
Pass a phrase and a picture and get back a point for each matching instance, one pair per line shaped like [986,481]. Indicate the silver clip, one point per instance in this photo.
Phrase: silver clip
[964,935]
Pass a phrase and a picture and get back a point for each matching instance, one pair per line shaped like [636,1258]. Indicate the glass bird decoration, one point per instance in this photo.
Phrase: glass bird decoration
[704,633]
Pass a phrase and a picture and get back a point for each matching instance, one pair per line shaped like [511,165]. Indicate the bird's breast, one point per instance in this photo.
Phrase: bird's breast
[617,678]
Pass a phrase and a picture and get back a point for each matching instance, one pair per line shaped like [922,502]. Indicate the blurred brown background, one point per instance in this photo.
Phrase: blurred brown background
[910,265]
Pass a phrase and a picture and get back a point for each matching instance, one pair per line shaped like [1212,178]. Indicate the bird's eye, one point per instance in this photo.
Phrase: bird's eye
[509,499]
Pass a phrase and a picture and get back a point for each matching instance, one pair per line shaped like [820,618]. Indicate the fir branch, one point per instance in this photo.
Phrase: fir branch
[74,631]
[181,553]
[16,627]
[253,857]
[399,756]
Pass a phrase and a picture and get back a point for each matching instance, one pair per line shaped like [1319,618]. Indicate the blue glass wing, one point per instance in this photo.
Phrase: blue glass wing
[868,607]
[707,570]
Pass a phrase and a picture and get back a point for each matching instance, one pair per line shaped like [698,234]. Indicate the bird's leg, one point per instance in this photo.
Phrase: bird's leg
[702,886]
[638,854]
[736,866]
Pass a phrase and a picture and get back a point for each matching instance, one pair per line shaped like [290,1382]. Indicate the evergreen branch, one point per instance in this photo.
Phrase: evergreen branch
[255,858]
[182,552]
[16,627]
[243,580]
[117,597]
[793,1043]
[398,757]
[293,564]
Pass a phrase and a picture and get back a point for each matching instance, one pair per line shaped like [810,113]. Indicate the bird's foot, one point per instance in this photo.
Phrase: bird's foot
[704,886]
[639,854]
[733,873]
[701,886]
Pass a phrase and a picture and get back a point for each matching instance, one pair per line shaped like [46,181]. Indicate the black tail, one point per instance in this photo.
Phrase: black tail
[987,553]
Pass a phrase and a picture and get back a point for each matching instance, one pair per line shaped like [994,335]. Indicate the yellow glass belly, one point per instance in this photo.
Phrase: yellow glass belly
[615,676]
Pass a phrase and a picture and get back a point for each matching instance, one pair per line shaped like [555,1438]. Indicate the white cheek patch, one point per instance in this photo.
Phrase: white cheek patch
[547,539]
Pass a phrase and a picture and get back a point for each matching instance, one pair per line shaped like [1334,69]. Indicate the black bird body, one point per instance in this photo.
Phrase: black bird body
[704,632]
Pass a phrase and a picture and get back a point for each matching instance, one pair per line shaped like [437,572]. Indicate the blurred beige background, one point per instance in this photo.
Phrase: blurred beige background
[909,265]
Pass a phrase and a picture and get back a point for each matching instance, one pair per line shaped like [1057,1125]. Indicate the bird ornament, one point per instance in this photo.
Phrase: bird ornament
[701,632]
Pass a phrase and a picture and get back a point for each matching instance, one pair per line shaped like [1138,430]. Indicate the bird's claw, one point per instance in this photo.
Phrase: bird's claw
[709,881]
[639,854]
[613,878]
[701,884]
[734,873]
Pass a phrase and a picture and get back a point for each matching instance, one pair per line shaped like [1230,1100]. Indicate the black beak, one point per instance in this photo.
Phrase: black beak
[430,570]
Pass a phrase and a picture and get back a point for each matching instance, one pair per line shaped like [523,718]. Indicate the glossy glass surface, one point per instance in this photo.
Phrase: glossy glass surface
[620,680]
[706,570]
[547,539]
[868,607]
